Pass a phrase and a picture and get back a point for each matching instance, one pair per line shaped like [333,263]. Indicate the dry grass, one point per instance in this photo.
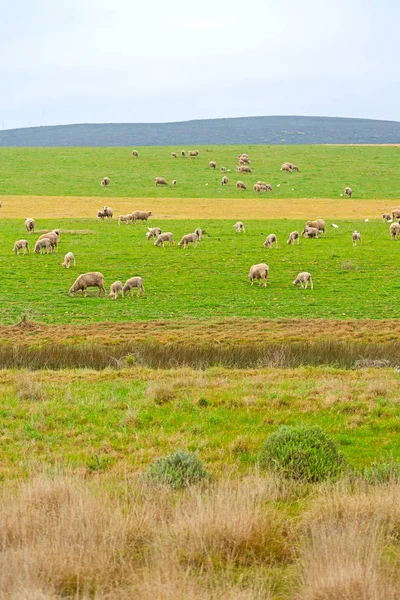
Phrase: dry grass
[28,387]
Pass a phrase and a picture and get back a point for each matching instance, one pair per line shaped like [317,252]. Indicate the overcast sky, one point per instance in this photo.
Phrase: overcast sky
[81,61]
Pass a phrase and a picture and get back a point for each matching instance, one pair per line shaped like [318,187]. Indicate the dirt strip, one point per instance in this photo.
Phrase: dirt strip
[59,207]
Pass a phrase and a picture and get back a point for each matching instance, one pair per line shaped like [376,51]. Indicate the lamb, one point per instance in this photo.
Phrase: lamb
[257,188]
[115,289]
[124,218]
[174,182]
[244,169]
[310,232]
[30,225]
[286,167]
[108,212]
[199,233]
[153,232]
[259,272]
[223,169]
[356,237]
[396,214]
[160,181]
[21,245]
[240,185]
[348,191]
[136,282]
[193,153]
[394,231]
[173,155]
[271,239]
[304,279]
[266,188]
[68,259]
[243,160]
[43,245]
[53,237]
[187,239]
[386,217]
[101,214]
[135,153]
[141,215]
[165,237]
[92,279]
[183,154]
[213,164]
[317,224]
[293,237]
[239,227]
[105,181]
[243,154]
[224,180]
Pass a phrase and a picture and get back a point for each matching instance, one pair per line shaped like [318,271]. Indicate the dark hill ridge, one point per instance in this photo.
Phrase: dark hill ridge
[242,130]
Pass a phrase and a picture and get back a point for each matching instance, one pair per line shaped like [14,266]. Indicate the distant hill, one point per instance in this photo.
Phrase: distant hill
[243,130]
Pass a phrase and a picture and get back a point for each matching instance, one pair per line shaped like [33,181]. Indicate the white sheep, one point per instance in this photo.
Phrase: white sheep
[30,225]
[133,282]
[259,272]
[304,279]
[125,219]
[153,232]
[293,237]
[239,227]
[356,237]
[43,245]
[68,259]
[271,239]
[21,245]
[165,237]
[394,231]
[188,239]
[115,289]
[92,279]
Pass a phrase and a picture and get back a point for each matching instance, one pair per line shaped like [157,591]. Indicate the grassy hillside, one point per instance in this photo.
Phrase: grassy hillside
[245,130]
[372,172]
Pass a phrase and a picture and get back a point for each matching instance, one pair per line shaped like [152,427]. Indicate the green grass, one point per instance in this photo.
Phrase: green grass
[372,171]
[209,281]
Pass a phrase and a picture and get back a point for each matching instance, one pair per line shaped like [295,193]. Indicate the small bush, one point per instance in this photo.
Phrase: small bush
[384,471]
[176,470]
[302,453]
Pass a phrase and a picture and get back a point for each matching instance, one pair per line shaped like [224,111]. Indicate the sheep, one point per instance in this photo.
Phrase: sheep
[199,233]
[293,237]
[223,169]
[53,237]
[174,182]
[141,215]
[43,244]
[286,167]
[243,154]
[266,188]
[108,212]
[187,239]
[257,188]
[124,218]
[115,289]
[183,153]
[271,239]
[153,232]
[92,279]
[101,214]
[386,217]
[193,153]
[356,237]
[160,181]
[68,259]
[105,181]
[224,180]
[21,245]
[244,169]
[213,164]
[165,237]
[348,191]
[30,225]
[135,153]
[317,224]
[259,272]
[136,282]
[396,214]
[239,227]
[295,168]
[240,185]
[394,231]
[310,232]
[243,160]
[173,155]
[304,279]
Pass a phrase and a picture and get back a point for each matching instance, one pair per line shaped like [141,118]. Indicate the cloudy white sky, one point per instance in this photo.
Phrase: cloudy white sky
[80,61]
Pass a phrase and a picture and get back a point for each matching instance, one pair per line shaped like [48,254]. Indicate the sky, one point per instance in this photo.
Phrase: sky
[86,61]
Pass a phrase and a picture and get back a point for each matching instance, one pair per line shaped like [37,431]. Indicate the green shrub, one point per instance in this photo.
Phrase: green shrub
[177,470]
[302,453]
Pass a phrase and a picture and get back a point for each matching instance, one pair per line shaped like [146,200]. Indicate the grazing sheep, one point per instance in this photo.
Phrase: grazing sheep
[105,181]
[68,259]
[93,279]
[386,217]
[153,232]
[224,180]
[356,237]
[244,161]
[223,169]
[394,231]
[135,153]
[310,232]
[240,185]
[244,169]
[295,168]
[101,214]
[43,245]
[183,153]
[108,212]
[199,233]
[271,239]
[259,272]
[165,237]
[348,191]
[193,153]
[239,227]
[173,155]
[266,188]
[257,188]
[141,215]
[30,225]
[124,218]
[287,167]
[174,182]
[53,237]
[293,237]
[160,181]
[187,239]
[317,224]
[133,282]
[21,245]
[115,289]
[213,164]
[304,279]
[243,155]
[396,214]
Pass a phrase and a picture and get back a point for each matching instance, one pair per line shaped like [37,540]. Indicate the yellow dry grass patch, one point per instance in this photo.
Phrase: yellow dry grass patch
[248,206]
